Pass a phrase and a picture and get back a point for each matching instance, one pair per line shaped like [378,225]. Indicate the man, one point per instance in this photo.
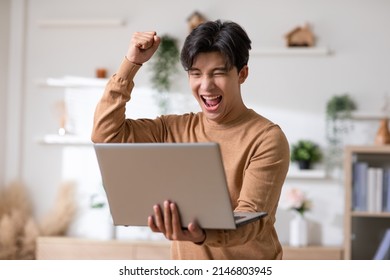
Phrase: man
[255,151]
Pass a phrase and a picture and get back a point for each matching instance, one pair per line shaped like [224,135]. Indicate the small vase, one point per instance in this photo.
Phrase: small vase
[298,231]
[383,135]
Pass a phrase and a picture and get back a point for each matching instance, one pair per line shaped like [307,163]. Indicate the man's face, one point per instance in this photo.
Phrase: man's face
[216,88]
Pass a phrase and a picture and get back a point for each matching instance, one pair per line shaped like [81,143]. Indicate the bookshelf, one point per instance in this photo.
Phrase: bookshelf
[365,225]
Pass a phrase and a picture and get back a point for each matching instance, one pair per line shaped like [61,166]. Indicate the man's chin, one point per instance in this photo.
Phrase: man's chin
[213,117]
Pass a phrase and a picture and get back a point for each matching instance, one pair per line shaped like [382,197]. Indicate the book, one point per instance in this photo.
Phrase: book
[383,251]
[386,190]
[374,189]
[379,190]
[359,186]
[371,189]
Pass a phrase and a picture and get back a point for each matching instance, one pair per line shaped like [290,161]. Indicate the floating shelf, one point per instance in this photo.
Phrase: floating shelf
[55,139]
[306,174]
[367,116]
[61,23]
[293,51]
[72,82]
[370,214]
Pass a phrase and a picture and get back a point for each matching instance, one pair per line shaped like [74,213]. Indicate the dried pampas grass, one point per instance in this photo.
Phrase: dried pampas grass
[58,220]
[19,230]
[14,197]
[8,238]
[28,240]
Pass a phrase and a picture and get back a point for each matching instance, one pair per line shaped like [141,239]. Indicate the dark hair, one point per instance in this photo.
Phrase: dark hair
[228,38]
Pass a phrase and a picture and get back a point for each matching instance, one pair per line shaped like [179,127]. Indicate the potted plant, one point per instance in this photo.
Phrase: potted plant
[305,152]
[340,106]
[163,66]
[338,115]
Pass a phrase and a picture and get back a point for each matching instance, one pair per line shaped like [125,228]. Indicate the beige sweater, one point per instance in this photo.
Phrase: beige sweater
[255,154]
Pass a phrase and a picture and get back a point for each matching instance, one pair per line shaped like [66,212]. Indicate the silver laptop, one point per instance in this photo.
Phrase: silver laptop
[138,176]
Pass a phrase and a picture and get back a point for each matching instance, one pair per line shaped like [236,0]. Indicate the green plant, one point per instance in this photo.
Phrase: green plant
[163,66]
[96,202]
[338,123]
[340,106]
[306,150]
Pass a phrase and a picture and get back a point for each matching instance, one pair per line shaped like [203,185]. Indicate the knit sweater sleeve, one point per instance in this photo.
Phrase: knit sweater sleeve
[110,122]
[263,180]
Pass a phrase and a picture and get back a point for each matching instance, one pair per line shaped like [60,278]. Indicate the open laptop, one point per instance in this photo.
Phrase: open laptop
[140,175]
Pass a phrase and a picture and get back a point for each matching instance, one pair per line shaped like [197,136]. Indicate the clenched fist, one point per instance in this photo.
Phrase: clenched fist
[142,46]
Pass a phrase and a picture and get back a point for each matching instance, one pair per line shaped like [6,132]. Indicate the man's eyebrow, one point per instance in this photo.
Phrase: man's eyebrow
[218,68]
[221,68]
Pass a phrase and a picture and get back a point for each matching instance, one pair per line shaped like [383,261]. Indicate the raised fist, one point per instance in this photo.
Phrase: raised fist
[142,46]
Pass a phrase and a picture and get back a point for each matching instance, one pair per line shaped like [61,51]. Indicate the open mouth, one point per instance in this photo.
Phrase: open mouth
[211,101]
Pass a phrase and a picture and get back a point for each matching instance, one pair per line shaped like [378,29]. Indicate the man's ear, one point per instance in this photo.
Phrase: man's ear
[243,74]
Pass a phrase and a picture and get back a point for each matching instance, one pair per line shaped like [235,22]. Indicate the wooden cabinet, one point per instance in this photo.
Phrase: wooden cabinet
[312,253]
[67,248]
[364,225]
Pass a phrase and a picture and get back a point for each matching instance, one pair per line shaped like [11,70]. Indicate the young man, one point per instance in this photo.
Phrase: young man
[255,151]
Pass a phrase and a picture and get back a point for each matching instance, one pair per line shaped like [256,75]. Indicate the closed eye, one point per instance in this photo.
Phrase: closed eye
[219,73]
[194,74]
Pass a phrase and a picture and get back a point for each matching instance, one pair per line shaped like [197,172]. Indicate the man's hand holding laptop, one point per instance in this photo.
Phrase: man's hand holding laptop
[167,221]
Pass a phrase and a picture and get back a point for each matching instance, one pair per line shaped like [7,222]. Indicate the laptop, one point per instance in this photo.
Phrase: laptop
[137,176]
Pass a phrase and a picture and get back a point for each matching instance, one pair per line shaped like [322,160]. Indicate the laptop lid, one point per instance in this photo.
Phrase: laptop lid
[137,176]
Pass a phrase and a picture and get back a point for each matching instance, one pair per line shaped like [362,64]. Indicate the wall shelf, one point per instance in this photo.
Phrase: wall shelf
[369,116]
[61,23]
[306,174]
[66,140]
[296,51]
[72,82]
[370,214]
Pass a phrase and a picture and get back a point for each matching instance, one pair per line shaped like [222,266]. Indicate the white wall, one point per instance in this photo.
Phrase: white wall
[292,91]
[4,38]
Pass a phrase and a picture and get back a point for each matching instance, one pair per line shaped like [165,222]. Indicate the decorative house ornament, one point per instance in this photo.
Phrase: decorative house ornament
[194,20]
[300,36]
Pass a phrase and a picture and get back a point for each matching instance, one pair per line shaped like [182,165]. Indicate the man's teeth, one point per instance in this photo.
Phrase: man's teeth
[211,97]
[211,101]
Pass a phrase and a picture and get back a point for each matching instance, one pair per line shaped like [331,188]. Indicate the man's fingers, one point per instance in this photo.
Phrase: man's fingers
[176,223]
[156,42]
[152,225]
[144,40]
[167,219]
[159,220]
[198,234]
[142,47]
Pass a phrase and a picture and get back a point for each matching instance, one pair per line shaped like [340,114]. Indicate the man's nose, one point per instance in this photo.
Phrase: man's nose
[207,83]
